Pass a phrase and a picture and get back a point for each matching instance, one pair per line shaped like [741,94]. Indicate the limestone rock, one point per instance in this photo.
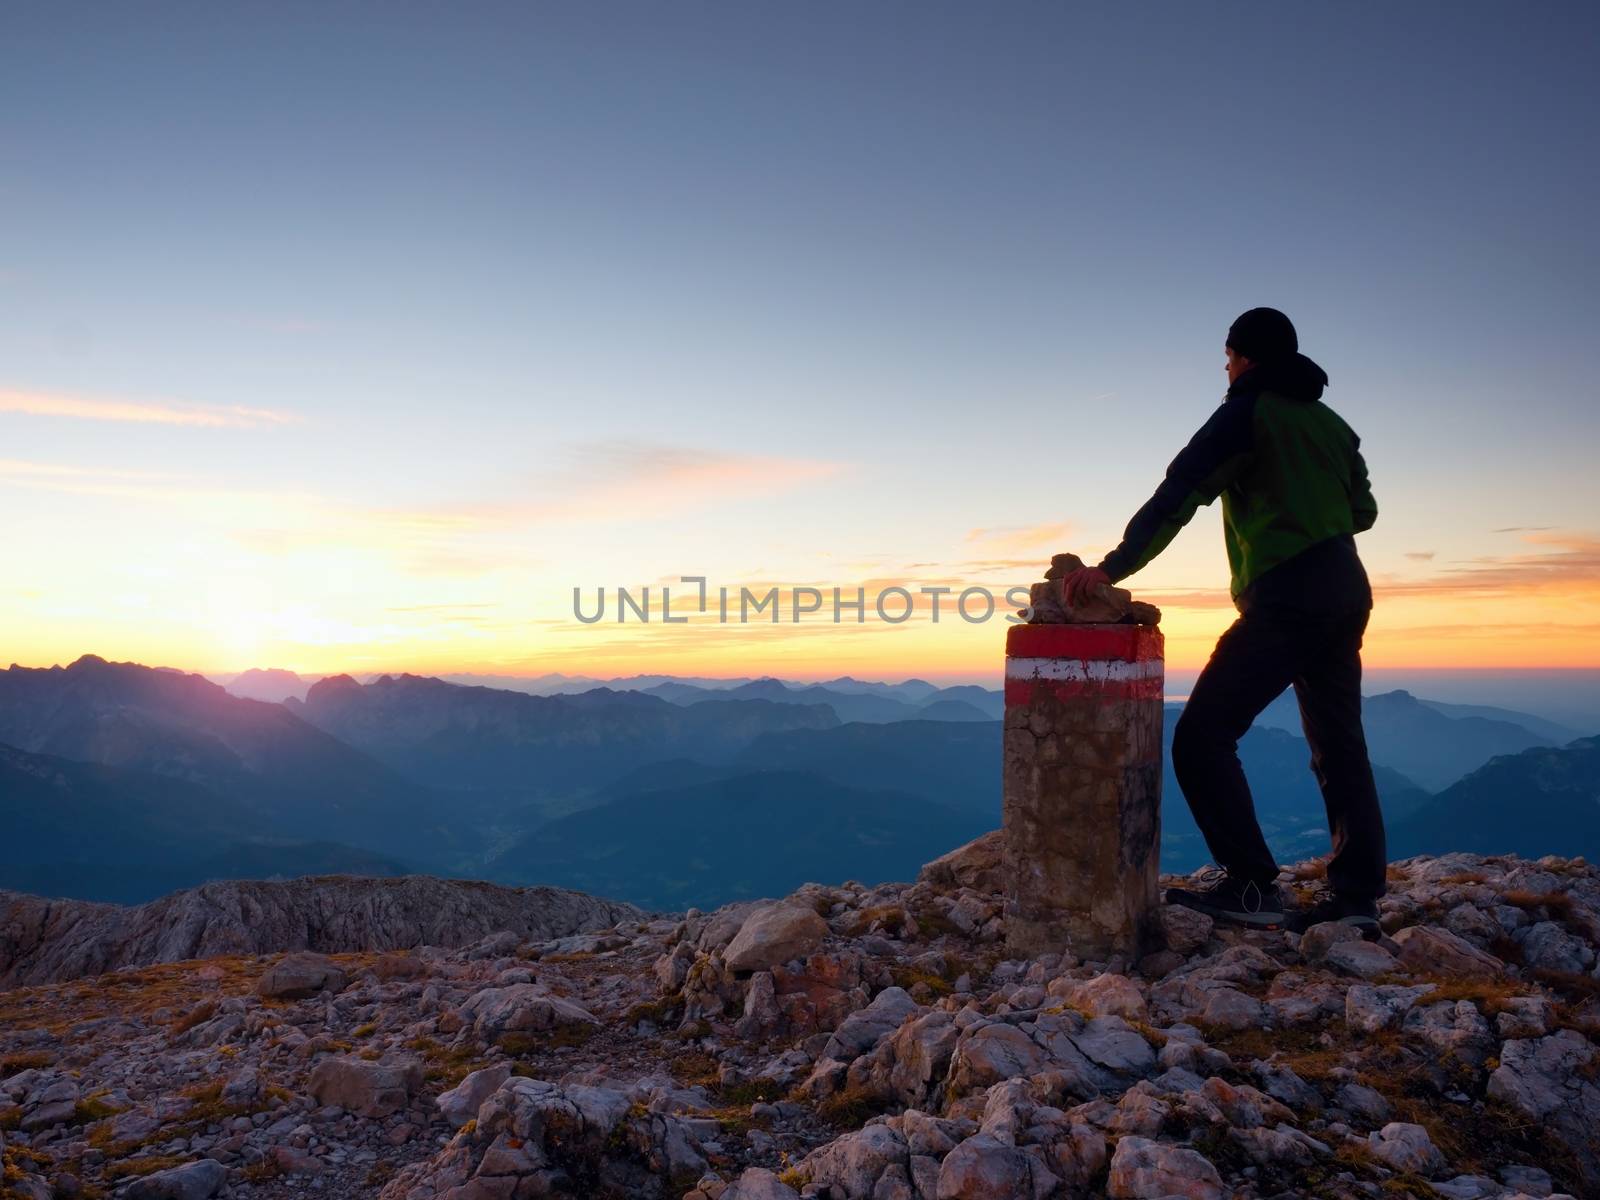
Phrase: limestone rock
[992,1053]
[1452,1030]
[297,976]
[460,1104]
[192,1181]
[1207,1000]
[1363,1102]
[1184,929]
[520,1008]
[672,968]
[1532,1181]
[290,1161]
[853,1163]
[1104,995]
[1365,960]
[368,1089]
[54,1105]
[712,932]
[910,1065]
[757,1183]
[1279,1147]
[773,935]
[997,1087]
[1547,946]
[863,1029]
[1295,1000]
[1405,1147]
[977,865]
[1316,941]
[535,1138]
[1525,1017]
[1111,1043]
[1429,950]
[500,944]
[1370,1009]
[53,940]
[1142,1169]
[984,1168]
[1552,1080]
[762,1016]
[1111,606]
[1284,1085]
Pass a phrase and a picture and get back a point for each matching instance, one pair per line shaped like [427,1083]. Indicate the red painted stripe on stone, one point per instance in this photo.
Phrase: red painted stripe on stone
[1133,643]
[1022,692]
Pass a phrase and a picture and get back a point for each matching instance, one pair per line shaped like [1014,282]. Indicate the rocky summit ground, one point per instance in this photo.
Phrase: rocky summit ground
[849,1043]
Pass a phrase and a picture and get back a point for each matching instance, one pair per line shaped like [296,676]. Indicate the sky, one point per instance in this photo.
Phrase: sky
[357,337]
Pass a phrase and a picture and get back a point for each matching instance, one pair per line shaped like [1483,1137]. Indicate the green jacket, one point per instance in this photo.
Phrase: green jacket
[1291,478]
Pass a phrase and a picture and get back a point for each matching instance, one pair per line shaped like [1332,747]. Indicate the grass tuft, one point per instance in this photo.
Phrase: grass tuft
[31,1060]
[909,977]
[756,1091]
[852,1107]
[137,1168]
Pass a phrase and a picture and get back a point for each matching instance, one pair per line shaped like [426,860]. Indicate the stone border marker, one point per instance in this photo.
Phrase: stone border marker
[1082,788]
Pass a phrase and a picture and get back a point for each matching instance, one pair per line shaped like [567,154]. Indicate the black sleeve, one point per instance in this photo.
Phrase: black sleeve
[1210,461]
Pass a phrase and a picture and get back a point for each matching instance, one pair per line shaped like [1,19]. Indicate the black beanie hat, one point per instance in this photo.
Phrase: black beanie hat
[1263,334]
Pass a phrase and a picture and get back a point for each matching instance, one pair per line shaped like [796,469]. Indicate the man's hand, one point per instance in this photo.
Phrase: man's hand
[1081,586]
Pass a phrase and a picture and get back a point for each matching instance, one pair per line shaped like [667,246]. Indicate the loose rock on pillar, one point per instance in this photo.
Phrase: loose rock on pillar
[1082,775]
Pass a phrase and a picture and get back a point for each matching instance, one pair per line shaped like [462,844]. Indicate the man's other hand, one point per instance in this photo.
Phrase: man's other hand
[1083,585]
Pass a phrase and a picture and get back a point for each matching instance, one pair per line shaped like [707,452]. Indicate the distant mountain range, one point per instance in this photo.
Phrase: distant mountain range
[1287,800]
[1542,801]
[263,765]
[954,764]
[1434,744]
[858,703]
[110,833]
[119,781]
[273,685]
[450,735]
[737,837]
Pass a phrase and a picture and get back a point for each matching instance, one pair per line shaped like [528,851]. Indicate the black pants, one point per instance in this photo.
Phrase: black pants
[1262,653]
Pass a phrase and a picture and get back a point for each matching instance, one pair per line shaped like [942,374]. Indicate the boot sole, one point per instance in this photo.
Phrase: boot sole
[1266,921]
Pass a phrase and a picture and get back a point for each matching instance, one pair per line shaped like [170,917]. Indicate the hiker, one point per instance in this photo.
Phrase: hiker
[1294,493]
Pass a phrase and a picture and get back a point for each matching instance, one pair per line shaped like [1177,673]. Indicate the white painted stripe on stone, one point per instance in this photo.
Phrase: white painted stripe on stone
[1075,670]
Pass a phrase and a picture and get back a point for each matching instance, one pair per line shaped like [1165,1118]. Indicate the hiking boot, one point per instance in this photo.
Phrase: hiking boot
[1224,898]
[1361,914]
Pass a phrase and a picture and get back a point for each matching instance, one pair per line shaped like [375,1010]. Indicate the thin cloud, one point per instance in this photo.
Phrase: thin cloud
[152,486]
[436,608]
[1574,561]
[18,469]
[1010,541]
[1420,555]
[623,479]
[1497,633]
[1216,598]
[141,412]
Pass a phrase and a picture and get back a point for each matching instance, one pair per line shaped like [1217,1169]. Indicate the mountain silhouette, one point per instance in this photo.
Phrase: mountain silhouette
[463,737]
[259,758]
[1542,801]
[738,837]
[1422,740]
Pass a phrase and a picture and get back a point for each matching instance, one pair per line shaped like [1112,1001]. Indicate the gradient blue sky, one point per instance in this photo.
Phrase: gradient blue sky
[541,295]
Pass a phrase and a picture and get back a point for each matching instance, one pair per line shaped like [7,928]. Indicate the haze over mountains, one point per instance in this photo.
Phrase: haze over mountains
[123,782]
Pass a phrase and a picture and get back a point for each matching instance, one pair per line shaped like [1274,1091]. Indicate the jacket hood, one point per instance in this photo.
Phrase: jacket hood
[1294,375]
